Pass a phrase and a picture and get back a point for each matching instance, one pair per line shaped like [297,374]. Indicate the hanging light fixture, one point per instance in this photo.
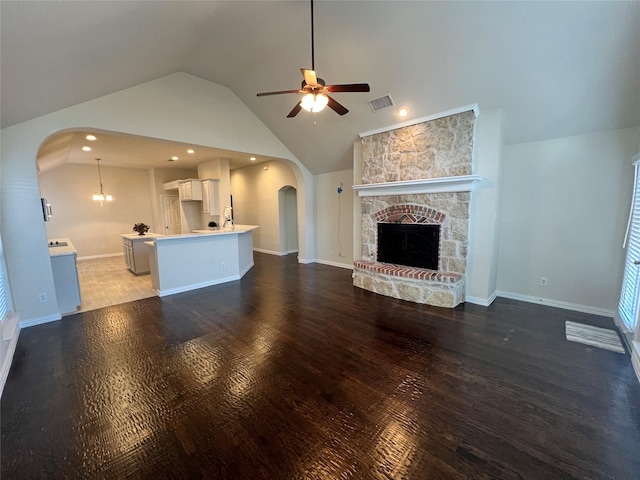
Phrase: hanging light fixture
[101,197]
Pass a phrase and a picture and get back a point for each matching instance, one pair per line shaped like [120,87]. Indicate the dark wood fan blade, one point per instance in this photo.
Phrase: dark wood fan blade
[264,94]
[295,110]
[352,87]
[336,107]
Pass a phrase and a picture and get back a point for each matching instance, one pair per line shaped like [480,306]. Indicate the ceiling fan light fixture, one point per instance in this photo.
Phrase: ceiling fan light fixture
[314,102]
[315,89]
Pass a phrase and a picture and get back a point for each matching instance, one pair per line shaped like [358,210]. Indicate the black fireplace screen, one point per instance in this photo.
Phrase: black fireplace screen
[410,244]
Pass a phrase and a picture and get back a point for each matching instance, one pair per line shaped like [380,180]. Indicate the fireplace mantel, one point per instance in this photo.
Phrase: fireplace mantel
[462,183]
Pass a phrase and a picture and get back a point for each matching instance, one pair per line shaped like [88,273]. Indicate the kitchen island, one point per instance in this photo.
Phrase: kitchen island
[180,263]
[136,253]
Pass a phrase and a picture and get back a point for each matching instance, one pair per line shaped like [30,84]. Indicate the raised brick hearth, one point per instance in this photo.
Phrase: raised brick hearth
[409,283]
[408,272]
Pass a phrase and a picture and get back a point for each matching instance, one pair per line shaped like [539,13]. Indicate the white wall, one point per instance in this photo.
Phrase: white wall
[95,229]
[356,179]
[255,201]
[564,206]
[334,218]
[177,107]
[484,210]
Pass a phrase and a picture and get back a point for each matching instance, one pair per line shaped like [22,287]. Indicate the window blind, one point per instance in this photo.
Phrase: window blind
[628,307]
[6,305]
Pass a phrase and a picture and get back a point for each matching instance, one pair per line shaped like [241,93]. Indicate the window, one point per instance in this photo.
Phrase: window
[628,307]
[6,305]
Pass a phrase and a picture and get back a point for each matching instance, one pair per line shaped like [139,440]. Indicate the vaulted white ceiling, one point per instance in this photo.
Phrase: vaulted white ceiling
[554,68]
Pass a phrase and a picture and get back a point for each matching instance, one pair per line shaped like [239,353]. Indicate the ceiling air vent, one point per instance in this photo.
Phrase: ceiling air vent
[380,103]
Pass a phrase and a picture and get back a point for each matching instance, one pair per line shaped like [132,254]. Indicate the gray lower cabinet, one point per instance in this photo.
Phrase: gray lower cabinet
[65,278]
[136,253]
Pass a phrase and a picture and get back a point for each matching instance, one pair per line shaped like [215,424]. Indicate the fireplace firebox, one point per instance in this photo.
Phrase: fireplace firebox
[410,244]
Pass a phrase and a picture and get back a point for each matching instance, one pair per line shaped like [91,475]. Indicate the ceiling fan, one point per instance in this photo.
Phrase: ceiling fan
[315,91]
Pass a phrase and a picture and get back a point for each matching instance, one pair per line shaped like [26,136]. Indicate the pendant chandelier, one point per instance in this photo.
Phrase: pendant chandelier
[101,197]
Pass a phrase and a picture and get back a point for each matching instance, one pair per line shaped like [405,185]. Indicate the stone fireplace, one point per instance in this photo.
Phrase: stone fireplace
[418,175]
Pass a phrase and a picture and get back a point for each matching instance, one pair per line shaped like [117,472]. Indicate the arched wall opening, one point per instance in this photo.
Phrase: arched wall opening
[178,107]
[288,217]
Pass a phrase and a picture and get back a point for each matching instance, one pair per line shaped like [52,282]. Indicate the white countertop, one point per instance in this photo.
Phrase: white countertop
[69,249]
[135,236]
[238,229]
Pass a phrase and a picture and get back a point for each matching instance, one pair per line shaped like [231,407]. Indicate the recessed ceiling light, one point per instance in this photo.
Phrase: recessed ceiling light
[86,149]
[91,138]
[191,150]
[253,159]
[174,158]
[403,112]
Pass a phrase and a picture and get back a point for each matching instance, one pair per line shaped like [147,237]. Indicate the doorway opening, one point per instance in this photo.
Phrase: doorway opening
[288,219]
[171,214]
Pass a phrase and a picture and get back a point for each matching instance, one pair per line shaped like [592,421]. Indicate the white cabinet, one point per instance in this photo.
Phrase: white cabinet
[127,250]
[211,196]
[65,277]
[190,190]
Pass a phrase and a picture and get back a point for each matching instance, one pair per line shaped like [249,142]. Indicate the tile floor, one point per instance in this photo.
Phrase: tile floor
[108,281]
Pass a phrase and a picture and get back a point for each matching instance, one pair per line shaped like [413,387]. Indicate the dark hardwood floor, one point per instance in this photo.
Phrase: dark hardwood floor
[292,373]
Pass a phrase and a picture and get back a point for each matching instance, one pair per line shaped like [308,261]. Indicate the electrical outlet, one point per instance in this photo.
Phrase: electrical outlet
[543,281]
[222,266]
[331,251]
[43,297]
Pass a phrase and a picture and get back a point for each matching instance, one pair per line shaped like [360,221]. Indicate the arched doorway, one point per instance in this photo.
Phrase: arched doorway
[133,111]
[288,219]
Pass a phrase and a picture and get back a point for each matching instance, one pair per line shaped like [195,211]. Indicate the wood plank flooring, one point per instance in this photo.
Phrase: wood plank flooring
[292,373]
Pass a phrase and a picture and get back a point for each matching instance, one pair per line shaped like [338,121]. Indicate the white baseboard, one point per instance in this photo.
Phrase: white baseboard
[557,303]
[348,266]
[485,302]
[635,358]
[39,321]
[195,286]
[248,267]
[106,255]
[306,261]
[271,252]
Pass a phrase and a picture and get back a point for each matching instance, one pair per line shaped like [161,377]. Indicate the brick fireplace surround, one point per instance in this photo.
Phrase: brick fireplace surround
[419,173]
